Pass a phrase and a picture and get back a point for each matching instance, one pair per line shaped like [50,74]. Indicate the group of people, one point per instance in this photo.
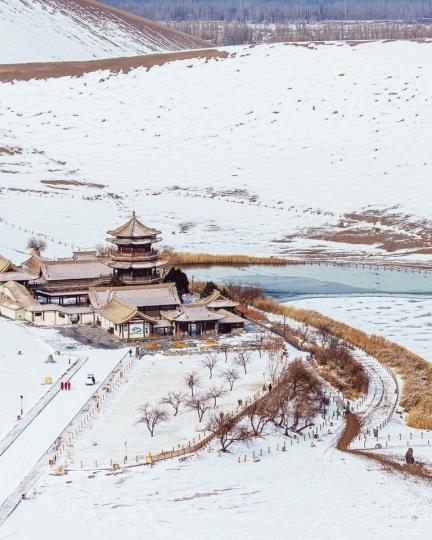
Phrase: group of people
[65,385]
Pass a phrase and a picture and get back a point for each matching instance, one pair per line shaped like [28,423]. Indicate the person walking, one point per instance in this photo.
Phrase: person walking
[409,456]
[62,385]
[69,385]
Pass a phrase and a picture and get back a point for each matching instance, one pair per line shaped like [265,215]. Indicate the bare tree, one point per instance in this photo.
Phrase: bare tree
[277,358]
[215,393]
[200,404]
[225,349]
[324,335]
[192,380]
[210,362]
[243,360]
[151,417]
[102,250]
[260,344]
[227,430]
[262,412]
[174,399]
[305,334]
[299,397]
[38,244]
[231,376]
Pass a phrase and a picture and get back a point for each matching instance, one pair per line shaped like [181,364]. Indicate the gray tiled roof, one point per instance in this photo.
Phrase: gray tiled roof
[146,296]
[59,270]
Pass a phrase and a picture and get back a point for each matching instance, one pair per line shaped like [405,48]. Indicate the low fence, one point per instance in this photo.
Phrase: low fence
[92,406]
[40,405]
[202,440]
[369,441]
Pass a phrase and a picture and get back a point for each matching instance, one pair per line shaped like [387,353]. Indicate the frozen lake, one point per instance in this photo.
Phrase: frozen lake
[286,282]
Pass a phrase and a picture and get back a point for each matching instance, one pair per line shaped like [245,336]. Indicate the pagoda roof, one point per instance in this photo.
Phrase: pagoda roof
[133,228]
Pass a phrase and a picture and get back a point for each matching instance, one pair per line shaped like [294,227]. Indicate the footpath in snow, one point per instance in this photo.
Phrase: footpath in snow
[21,456]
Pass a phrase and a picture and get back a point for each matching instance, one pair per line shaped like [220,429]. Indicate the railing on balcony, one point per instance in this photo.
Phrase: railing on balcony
[140,280]
[146,256]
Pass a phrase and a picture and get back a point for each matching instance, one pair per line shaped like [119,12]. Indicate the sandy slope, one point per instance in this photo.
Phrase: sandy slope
[322,147]
[47,30]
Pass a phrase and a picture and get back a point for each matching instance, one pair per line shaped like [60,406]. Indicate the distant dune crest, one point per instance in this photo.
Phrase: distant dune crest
[60,30]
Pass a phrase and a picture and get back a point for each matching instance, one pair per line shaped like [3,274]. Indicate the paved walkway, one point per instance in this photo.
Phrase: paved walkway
[19,462]
[28,418]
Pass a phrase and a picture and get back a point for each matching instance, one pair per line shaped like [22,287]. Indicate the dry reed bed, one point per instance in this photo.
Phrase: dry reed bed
[345,374]
[190,259]
[415,371]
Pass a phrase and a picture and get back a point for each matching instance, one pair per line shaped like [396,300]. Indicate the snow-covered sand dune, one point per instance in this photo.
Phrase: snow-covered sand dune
[49,30]
[322,147]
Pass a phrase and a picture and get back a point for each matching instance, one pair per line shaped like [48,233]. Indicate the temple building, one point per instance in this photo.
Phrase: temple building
[135,261]
[120,291]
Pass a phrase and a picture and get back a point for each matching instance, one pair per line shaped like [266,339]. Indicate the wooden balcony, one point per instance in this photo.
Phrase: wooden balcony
[142,280]
[136,257]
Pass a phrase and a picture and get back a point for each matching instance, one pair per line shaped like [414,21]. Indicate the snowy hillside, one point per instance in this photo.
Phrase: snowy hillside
[273,149]
[49,30]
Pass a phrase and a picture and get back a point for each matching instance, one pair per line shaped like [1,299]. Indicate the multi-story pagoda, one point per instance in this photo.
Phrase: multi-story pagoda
[135,261]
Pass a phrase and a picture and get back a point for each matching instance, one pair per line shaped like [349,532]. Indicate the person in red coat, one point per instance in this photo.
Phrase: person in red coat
[69,385]
[62,386]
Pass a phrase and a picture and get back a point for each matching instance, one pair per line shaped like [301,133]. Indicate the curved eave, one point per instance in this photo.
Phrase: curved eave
[126,265]
[133,241]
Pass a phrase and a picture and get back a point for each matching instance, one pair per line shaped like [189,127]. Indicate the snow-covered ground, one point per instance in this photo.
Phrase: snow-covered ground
[305,493]
[309,491]
[149,381]
[24,374]
[207,493]
[210,152]
[59,30]
[407,321]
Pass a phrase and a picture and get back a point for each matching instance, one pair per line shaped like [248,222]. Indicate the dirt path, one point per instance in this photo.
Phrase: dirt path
[45,70]
[352,430]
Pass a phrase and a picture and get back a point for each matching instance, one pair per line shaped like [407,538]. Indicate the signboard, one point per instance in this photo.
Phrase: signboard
[136,330]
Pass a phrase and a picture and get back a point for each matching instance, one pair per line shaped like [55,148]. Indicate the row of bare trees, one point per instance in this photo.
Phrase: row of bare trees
[334,355]
[202,401]
[199,401]
[239,33]
[291,406]
[273,11]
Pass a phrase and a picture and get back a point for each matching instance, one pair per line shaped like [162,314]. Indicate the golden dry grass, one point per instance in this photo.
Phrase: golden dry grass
[191,259]
[415,371]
